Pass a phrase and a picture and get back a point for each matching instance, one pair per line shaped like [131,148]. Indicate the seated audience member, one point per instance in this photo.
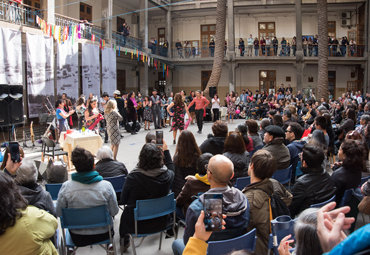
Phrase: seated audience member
[8,166]
[261,168]
[365,119]
[349,123]
[56,172]
[293,111]
[107,166]
[348,176]
[150,137]
[235,204]
[315,186]
[293,134]
[151,178]
[287,118]
[253,133]
[194,185]
[87,189]
[24,229]
[243,130]
[214,144]
[185,160]
[235,151]
[318,139]
[273,139]
[264,123]
[367,135]
[30,190]
[305,231]
[277,120]
[330,131]
[321,124]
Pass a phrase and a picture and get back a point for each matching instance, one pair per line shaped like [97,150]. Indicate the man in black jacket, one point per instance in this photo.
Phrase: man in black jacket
[178,46]
[215,143]
[315,186]
[120,105]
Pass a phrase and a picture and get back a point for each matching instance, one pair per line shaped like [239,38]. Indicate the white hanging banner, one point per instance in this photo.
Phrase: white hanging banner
[90,70]
[10,57]
[109,71]
[40,73]
[67,70]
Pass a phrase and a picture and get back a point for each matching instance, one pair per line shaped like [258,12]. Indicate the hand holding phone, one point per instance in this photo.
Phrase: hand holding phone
[159,138]
[213,212]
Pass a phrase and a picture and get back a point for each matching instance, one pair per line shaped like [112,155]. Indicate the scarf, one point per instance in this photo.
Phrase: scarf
[150,173]
[87,177]
[133,101]
[202,179]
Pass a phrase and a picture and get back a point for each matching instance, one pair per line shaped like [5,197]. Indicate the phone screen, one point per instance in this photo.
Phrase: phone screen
[213,212]
[159,138]
[14,152]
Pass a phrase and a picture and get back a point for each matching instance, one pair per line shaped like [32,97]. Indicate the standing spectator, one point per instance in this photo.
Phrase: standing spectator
[178,46]
[352,47]
[334,45]
[250,46]
[212,48]
[241,47]
[283,47]
[191,108]
[304,46]
[132,108]
[231,107]
[310,46]
[281,89]
[120,106]
[343,47]
[148,116]
[113,117]
[294,45]
[200,105]
[156,109]
[140,110]
[80,111]
[122,30]
[216,108]
[103,123]
[225,47]
[256,44]
[268,44]
[289,88]
[165,48]
[315,45]
[263,44]
[275,45]
[163,110]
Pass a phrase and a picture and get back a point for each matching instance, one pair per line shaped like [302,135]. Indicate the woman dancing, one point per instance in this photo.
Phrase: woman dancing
[113,117]
[231,106]
[91,113]
[148,117]
[132,106]
[62,116]
[178,115]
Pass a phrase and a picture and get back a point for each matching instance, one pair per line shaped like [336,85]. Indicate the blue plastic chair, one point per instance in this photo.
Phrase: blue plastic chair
[83,219]
[53,189]
[281,227]
[298,171]
[254,150]
[117,182]
[242,182]
[319,205]
[244,242]
[346,197]
[283,176]
[151,209]
[363,180]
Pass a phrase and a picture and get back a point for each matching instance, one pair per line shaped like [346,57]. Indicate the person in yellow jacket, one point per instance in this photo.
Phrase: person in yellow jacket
[25,230]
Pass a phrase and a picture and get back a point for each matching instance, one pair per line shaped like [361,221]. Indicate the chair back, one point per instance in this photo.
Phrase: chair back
[363,180]
[298,171]
[346,197]
[281,227]
[48,142]
[117,182]
[254,150]
[244,242]
[242,182]
[53,189]
[319,205]
[83,218]
[154,208]
[283,176]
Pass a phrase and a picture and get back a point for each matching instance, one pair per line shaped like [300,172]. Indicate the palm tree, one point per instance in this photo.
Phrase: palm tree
[322,17]
[219,45]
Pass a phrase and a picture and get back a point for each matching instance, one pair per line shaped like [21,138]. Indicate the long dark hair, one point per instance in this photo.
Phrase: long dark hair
[150,157]
[89,106]
[354,152]
[177,101]
[58,102]
[351,115]
[243,130]
[11,201]
[187,151]
[234,143]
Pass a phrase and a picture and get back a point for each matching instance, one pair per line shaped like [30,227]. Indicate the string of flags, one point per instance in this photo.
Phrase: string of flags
[73,32]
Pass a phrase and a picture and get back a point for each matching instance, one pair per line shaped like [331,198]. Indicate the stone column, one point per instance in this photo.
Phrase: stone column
[48,7]
[106,23]
[168,31]
[299,51]
[143,77]
[143,26]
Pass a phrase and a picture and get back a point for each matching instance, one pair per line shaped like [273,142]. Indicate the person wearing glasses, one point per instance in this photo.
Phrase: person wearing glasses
[293,134]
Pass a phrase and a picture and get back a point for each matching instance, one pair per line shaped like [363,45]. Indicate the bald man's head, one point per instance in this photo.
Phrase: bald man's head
[221,168]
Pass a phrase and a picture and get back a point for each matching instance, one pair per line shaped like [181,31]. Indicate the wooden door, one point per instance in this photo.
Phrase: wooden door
[121,80]
[85,12]
[207,34]
[119,22]
[267,81]
[332,29]
[331,83]
[205,79]
[266,29]
[161,35]
[161,85]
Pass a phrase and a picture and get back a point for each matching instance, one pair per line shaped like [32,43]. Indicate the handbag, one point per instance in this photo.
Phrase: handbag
[364,205]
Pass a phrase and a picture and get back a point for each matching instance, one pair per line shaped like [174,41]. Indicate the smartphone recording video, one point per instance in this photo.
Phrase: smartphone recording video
[213,212]
[14,152]
[159,138]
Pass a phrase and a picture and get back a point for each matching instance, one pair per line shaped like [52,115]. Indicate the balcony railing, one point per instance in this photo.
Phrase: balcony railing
[127,41]
[20,14]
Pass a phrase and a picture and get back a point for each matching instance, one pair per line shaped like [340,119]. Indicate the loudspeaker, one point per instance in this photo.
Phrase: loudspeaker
[212,91]
[4,103]
[128,127]
[16,104]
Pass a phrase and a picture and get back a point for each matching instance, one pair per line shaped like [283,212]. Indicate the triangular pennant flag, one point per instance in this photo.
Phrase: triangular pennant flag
[132,55]
[167,71]
[138,57]
[163,69]
[119,50]
[79,32]
[126,52]
[135,52]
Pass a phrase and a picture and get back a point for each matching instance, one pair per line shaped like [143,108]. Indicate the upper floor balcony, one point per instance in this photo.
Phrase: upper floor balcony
[19,14]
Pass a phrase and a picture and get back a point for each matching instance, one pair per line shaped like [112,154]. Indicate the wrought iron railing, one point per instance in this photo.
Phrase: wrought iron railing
[20,14]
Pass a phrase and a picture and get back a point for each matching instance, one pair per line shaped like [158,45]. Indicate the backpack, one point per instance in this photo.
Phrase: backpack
[278,207]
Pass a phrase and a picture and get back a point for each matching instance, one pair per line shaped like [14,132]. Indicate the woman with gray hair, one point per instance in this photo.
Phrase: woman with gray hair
[107,166]
[30,190]
[307,239]
[365,119]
